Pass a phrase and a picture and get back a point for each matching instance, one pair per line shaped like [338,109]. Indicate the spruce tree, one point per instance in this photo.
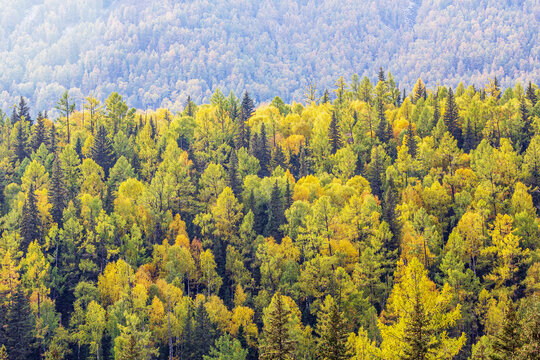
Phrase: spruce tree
[389,206]
[334,134]
[531,95]
[375,171]
[382,128]
[411,141]
[278,158]
[469,139]
[436,112]
[246,111]
[235,182]
[263,153]
[204,334]
[451,117]
[52,140]
[527,130]
[278,343]
[288,196]
[381,76]
[102,151]
[417,334]
[30,223]
[508,340]
[57,191]
[21,143]
[24,111]
[276,216]
[153,129]
[188,108]
[14,116]
[333,334]
[19,327]
[78,148]
[40,134]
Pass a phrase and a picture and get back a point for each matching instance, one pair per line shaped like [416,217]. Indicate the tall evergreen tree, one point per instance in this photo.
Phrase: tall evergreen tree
[57,191]
[188,108]
[436,111]
[40,134]
[527,130]
[78,148]
[204,334]
[263,153]
[531,95]
[14,116]
[451,117]
[375,171]
[235,182]
[102,151]
[334,133]
[246,111]
[30,222]
[278,158]
[411,141]
[21,143]
[469,138]
[278,343]
[52,140]
[382,128]
[381,76]
[389,206]
[333,334]
[24,111]
[19,327]
[288,196]
[508,340]
[326,97]
[417,334]
[276,216]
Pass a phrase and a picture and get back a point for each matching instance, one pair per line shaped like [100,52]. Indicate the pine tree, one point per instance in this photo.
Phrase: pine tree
[417,334]
[30,223]
[188,108]
[508,340]
[278,343]
[14,116]
[436,112]
[334,134]
[333,334]
[527,130]
[57,191]
[235,182]
[263,154]
[531,95]
[469,140]
[40,134]
[276,216]
[389,206]
[451,117]
[153,130]
[419,90]
[24,111]
[381,76]
[246,111]
[204,334]
[375,171]
[288,196]
[19,327]
[102,151]
[382,128]
[21,143]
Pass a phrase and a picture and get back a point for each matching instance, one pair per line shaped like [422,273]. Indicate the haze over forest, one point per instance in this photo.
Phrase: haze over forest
[155,53]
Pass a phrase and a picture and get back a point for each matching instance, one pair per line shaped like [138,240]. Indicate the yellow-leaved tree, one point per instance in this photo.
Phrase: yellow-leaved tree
[417,317]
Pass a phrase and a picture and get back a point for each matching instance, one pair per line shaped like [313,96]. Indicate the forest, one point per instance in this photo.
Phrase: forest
[361,223]
[156,53]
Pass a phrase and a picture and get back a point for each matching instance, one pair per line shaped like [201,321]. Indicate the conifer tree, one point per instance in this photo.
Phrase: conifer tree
[30,223]
[78,148]
[278,158]
[527,130]
[417,333]
[19,327]
[263,153]
[326,97]
[57,191]
[508,340]
[334,134]
[419,90]
[436,111]
[303,169]
[153,130]
[411,141]
[246,111]
[14,116]
[204,334]
[40,134]
[531,95]
[21,143]
[390,203]
[24,111]
[288,195]
[375,171]
[332,330]
[66,106]
[451,117]
[278,343]
[188,108]
[469,140]
[52,140]
[102,151]
[276,216]
[235,182]
[381,76]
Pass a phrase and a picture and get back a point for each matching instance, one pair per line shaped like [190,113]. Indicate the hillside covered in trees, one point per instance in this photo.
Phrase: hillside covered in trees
[361,225]
[156,53]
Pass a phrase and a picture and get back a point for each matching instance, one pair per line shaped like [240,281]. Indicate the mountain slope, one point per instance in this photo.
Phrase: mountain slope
[157,52]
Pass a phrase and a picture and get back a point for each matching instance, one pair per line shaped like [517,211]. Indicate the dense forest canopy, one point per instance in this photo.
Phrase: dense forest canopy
[361,224]
[156,53]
